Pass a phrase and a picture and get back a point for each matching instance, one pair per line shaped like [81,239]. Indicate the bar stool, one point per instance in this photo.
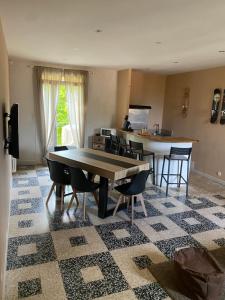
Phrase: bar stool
[180,155]
[138,149]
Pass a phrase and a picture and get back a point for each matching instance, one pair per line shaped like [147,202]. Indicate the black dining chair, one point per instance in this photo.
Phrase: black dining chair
[132,189]
[60,176]
[138,149]
[123,146]
[114,144]
[80,184]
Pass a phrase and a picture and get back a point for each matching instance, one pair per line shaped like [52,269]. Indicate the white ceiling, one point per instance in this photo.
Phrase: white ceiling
[56,31]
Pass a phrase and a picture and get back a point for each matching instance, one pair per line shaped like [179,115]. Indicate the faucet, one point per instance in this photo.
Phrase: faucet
[156,125]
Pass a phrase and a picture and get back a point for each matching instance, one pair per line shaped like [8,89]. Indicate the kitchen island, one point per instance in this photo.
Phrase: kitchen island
[160,145]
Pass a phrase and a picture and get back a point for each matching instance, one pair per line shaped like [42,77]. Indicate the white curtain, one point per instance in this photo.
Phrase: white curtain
[50,80]
[75,95]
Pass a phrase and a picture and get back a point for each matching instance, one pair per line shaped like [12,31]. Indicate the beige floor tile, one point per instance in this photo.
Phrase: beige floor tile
[64,248]
[133,274]
[51,281]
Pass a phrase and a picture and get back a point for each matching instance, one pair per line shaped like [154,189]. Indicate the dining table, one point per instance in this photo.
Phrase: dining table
[109,167]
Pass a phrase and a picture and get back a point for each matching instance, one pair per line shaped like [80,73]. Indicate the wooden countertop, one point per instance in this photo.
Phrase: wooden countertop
[162,139]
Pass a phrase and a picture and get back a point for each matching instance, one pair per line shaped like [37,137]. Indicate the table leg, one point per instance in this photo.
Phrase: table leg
[103,198]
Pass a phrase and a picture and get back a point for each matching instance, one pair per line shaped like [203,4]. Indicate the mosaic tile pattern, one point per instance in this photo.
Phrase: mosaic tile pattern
[58,255]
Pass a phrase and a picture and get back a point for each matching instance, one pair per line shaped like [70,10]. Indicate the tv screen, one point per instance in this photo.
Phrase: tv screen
[13,132]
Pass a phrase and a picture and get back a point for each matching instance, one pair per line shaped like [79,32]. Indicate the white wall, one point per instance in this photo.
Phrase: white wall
[4,160]
[101,105]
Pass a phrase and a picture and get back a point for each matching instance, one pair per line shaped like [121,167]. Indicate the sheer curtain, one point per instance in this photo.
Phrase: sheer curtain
[49,83]
[75,94]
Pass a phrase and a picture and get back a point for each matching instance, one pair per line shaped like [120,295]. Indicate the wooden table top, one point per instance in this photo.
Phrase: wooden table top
[104,164]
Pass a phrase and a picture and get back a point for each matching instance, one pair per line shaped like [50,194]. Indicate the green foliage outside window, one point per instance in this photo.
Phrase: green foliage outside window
[62,117]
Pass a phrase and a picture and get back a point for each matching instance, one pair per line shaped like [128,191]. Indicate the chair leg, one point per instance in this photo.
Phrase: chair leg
[118,204]
[168,178]
[143,205]
[181,166]
[162,171]
[84,206]
[70,203]
[132,210]
[50,193]
[62,197]
[96,197]
[128,203]
[187,183]
[153,167]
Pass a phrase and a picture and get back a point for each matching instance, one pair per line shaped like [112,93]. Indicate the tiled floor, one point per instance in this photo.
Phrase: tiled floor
[54,255]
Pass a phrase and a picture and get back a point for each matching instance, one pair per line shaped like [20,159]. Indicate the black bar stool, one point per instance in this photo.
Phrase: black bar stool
[138,149]
[180,155]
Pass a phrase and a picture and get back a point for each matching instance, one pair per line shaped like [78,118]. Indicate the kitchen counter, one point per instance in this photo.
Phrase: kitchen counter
[158,138]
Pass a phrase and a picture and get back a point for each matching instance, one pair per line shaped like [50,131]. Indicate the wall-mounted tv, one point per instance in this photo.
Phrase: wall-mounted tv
[12,141]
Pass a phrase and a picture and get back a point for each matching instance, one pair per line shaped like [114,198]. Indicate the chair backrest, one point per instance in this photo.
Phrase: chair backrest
[136,146]
[180,151]
[60,148]
[57,172]
[79,181]
[166,132]
[122,141]
[114,139]
[138,182]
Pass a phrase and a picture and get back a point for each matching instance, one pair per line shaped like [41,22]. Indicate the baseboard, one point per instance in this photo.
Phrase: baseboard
[215,179]
[29,162]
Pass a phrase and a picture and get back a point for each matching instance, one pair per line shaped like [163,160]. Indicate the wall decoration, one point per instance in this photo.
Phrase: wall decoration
[186,100]
[222,113]
[215,105]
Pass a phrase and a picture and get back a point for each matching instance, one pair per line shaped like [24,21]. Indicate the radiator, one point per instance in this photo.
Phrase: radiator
[13,165]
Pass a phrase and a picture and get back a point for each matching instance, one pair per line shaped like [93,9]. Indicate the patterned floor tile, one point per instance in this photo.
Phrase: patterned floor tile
[20,225]
[112,242]
[25,192]
[26,206]
[151,291]
[131,260]
[25,182]
[209,239]
[197,202]
[125,295]
[191,227]
[62,220]
[168,247]
[42,280]
[21,250]
[75,285]
[169,206]
[159,228]
[65,249]
[214,214]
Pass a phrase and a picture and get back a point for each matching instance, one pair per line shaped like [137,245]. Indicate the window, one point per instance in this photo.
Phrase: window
[62,118]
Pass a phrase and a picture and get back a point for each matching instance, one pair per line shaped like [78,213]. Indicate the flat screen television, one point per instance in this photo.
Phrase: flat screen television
[13,133]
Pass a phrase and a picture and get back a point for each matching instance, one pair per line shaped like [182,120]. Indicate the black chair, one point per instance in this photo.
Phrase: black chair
[123,146]
[180,155]
[80,184]
[114,144]
[132,189]
[138,149]
[59,176]
[60,148]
